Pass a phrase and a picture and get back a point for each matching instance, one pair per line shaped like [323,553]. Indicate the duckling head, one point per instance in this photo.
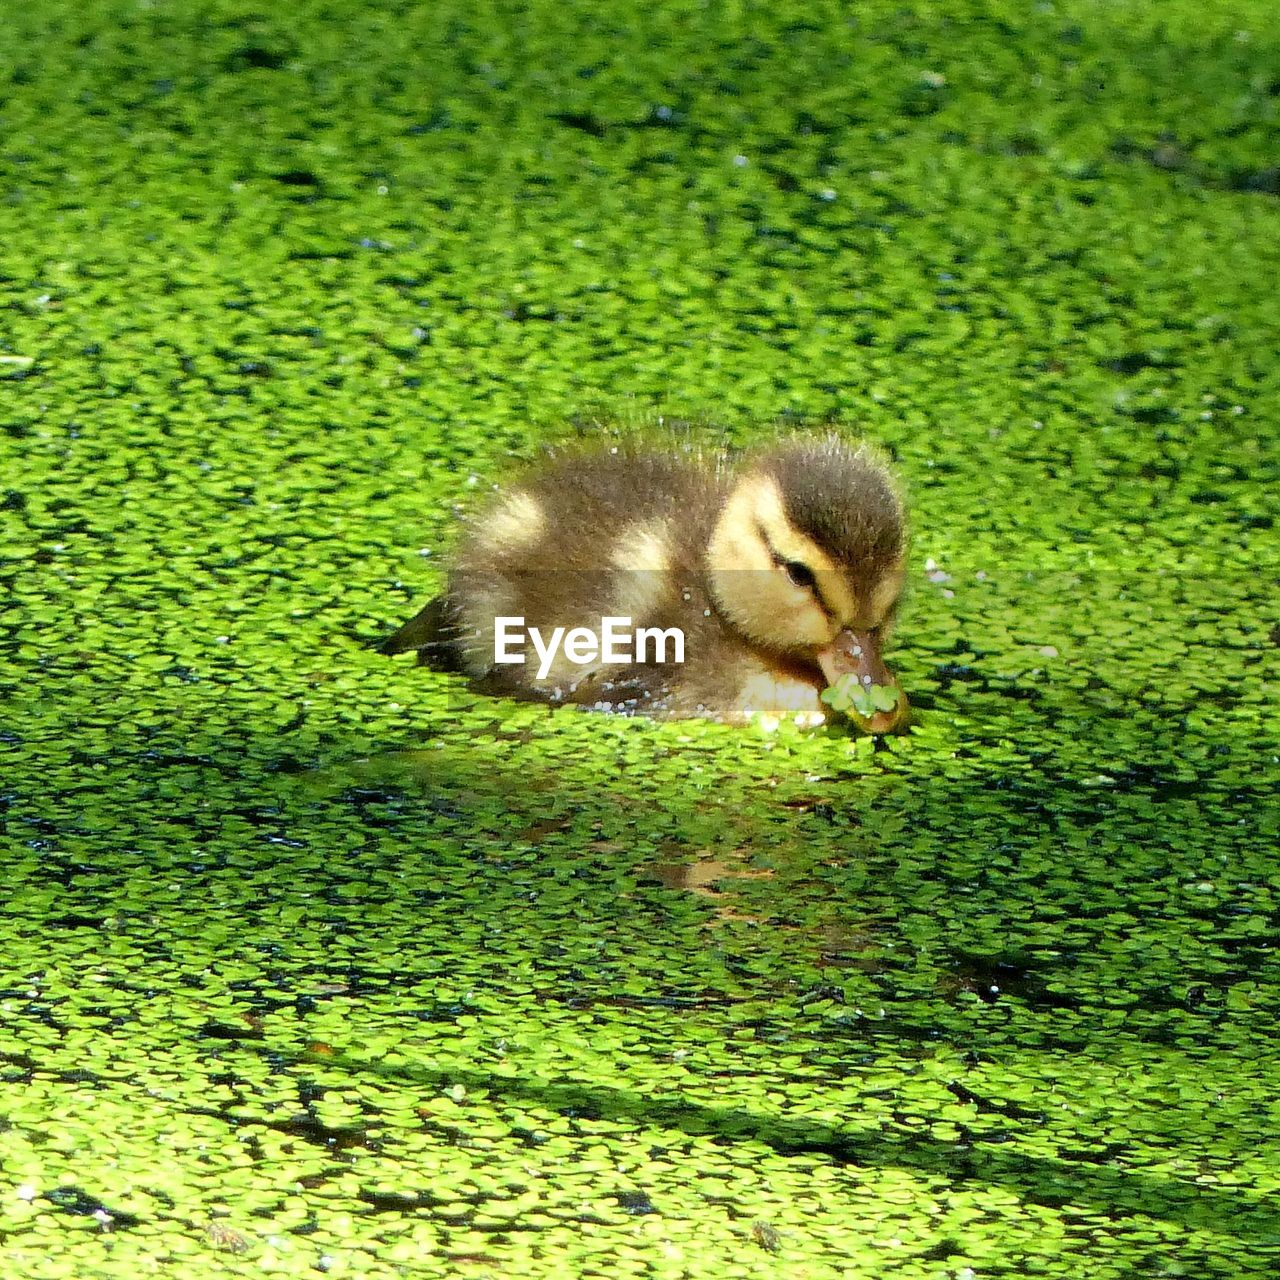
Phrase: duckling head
[806,561]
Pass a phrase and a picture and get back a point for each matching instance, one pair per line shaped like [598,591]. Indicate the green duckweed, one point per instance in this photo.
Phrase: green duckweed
[316,962]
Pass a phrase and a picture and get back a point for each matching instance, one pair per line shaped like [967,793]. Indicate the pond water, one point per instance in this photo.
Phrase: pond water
[312,960]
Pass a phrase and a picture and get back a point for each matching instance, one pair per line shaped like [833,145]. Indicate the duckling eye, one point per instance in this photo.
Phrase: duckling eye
[799,573]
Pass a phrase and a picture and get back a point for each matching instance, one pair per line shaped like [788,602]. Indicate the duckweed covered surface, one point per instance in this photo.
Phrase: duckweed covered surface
[311,962]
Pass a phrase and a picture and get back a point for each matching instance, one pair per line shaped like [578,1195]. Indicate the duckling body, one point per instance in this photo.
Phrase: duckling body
[772,569]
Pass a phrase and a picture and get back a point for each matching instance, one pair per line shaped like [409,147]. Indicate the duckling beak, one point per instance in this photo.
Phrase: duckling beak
[858,653]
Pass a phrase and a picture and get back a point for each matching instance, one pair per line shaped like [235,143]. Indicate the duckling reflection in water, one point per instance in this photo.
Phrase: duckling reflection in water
[780,570]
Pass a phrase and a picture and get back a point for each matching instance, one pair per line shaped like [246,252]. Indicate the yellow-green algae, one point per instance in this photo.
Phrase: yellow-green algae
[314,963]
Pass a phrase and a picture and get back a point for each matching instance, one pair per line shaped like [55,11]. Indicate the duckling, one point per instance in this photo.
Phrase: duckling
[758,583]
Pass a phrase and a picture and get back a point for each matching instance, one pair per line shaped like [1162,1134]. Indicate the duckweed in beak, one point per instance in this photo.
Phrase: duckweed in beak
[850,696]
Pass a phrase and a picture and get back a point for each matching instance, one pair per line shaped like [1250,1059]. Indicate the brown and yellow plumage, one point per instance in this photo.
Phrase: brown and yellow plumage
[781,568]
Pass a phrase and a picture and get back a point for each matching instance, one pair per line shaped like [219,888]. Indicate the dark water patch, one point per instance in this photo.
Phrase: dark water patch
[1154,781]
[383,807]
[257,57]
[334,1138]
[992,978]
[80,1203]
[636,1203]
[214,1030]
[1260,181]
[73,921]
[1134,362]
[297,178]
[993,1106]
[584,122]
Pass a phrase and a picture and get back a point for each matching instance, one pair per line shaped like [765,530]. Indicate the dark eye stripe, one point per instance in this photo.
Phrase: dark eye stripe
[805,578]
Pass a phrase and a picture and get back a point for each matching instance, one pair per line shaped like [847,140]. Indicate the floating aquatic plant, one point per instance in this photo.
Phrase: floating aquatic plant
[850,696]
